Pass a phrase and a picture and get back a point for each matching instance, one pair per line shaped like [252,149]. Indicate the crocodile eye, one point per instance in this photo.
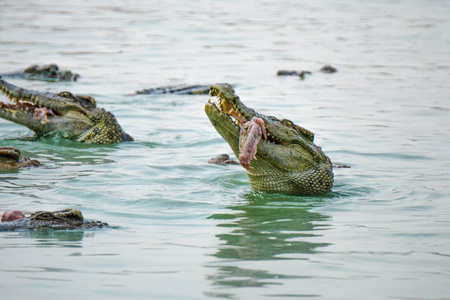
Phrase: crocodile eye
[52,67]
[86,101]
[92,100]
[45,215]
[65,94]
[287,123]
[75,214]
[31,69]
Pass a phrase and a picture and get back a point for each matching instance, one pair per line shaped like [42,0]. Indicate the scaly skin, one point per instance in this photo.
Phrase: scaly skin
[45,220]
[286,162]
[177,89]
[10,159]
[76,117]
[49,72]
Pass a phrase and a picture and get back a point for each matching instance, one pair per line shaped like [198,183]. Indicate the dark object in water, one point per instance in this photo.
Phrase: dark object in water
[223,159]
[45,220]
[328,69]
[49,72]
[325,69]
[10,158]
[177,89]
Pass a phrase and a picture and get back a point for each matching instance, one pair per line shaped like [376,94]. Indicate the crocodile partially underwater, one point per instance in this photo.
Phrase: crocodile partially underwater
[278,156]
[181,89]
[75,117]
[45,220]
[10,158]
[49,72]
[222,159]
[325,69]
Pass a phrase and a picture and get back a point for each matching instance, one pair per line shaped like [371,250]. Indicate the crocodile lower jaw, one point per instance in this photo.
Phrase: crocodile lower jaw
[23,106]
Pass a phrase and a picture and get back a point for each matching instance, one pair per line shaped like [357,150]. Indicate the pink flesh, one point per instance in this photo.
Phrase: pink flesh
[42,113]
[12,216]
[249,138]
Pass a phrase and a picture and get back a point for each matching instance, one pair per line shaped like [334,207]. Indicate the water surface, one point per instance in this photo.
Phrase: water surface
[185,229]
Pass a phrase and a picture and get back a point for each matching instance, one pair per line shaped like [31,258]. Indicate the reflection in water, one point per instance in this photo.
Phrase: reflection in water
[61,238]
[265,227]
[233,276]
[43,238]
[62,160]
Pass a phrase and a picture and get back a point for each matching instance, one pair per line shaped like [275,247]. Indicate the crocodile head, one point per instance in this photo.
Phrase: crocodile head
[48,72]
[76,117]
[279,156]
[43,220]
[61,218]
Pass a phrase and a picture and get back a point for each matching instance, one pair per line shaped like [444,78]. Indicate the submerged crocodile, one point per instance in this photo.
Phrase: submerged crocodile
[222,159]
[10,159]
[300,74]
[76,117]
[49,72]
[177,89]
[325,69]
[44,220]
[279,156]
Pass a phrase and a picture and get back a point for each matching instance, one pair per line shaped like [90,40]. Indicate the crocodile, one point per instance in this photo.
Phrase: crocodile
[176,89]
[325,69]
[10,158]
[300,74]
[328,69]
[49,72]
[278,155]
[222,159]
[45,220]
[76,117]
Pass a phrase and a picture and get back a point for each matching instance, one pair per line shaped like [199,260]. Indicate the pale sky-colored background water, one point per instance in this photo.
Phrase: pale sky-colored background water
[184,229]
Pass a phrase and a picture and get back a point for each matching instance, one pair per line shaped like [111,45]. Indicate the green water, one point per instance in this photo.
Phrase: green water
[186,229]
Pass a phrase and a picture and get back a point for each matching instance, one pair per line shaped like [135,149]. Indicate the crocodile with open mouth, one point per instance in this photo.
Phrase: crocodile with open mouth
[76,117]
[49,72]
[279,156]
[45,220]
